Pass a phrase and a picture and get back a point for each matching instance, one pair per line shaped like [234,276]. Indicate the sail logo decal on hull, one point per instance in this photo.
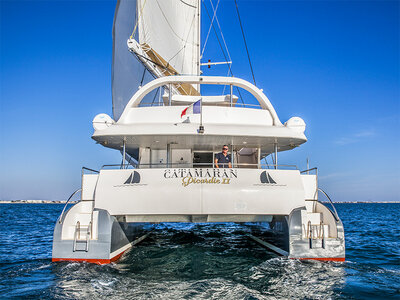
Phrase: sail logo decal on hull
[133,178]
[267,180]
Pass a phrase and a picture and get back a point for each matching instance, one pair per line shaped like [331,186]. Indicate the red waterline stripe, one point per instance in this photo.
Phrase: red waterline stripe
[323,258]
[98,261]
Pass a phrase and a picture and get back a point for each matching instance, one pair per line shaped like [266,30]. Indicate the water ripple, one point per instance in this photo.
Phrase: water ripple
[201,261]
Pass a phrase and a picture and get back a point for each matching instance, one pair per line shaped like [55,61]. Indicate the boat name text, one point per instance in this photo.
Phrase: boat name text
[201,176]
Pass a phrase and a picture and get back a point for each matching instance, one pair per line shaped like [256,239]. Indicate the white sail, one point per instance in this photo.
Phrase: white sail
[166,38]
[127,71]
[171,29]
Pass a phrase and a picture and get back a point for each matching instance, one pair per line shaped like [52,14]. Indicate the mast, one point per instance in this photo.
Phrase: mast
[198,41]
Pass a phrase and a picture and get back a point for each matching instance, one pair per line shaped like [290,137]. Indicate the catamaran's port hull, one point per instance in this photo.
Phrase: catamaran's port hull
[106,244]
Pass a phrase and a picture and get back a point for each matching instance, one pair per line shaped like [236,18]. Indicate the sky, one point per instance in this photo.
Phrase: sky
[336,64]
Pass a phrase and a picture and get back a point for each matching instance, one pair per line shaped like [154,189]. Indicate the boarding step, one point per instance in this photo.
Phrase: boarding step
[316,235]
[313,226]
[82,237]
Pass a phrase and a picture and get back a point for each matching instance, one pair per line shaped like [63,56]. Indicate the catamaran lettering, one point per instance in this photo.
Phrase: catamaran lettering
[200,173]
[189,180]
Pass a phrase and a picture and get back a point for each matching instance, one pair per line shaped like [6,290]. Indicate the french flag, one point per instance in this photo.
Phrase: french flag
[194,108]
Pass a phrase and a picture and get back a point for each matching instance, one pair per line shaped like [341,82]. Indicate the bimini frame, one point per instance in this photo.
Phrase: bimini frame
[215,80]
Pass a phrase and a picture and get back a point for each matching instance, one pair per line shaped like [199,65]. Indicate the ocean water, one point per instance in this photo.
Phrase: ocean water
[201,261]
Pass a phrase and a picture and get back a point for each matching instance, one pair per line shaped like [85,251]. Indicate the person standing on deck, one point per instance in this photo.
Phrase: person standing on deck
[223,159]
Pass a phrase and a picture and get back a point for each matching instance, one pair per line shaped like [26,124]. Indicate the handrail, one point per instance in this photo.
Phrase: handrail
[222,104]
[91,170]
[88,236]
[194,165]
[61,218]
[308,170]
[77,234]
[336,216]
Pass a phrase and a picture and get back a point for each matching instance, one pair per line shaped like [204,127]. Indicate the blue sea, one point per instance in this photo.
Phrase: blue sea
[201,261]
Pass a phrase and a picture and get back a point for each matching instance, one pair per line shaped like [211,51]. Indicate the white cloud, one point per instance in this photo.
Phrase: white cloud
[356,137]
[365,133]
[334,175]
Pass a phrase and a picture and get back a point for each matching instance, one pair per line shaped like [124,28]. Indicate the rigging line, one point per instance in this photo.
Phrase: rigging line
[226,46]
[137,20]
[220,30]
[219,42]
[166,19]
[240,94]
[188,4]
[209,29]
[155,95]
[136,55]
[159,97]
[176,54]
[183,47]
[186,41]
[223,91]
[223,52]
[148,59]
[244,39]
[144,72]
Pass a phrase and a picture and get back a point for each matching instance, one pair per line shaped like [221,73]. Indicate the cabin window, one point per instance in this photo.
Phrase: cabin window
[181,158]
[203,159]
[247,158]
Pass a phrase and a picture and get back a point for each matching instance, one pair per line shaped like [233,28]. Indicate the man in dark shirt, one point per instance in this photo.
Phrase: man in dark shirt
[223,159]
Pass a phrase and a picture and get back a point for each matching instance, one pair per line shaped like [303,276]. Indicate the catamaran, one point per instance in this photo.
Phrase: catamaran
[169,121]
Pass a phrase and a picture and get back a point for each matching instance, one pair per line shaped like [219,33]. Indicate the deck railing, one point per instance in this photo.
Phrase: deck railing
[61,218]
[197,165]
[220,104]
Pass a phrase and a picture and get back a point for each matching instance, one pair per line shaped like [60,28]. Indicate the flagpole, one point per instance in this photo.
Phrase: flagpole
[201,112]
[201,127]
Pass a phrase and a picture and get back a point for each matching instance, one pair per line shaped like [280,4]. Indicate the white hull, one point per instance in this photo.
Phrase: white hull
[118,204]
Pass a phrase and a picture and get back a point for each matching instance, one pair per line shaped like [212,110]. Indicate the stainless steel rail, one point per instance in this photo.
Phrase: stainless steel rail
[88,169]
[308,170]
[200,165]
[334,213]
[222,104]
[77,235]
[61,218]
[88,235]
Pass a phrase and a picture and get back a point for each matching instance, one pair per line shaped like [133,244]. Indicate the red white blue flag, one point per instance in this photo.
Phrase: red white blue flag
[192,109]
